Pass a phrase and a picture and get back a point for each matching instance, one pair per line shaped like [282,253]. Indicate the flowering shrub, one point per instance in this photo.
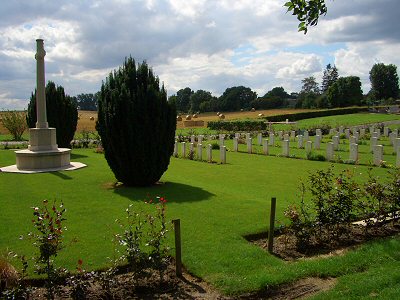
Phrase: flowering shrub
[49,241]
[144,238]
[337,201]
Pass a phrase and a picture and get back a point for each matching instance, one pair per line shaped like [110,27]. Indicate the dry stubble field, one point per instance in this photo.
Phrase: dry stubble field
[85,122]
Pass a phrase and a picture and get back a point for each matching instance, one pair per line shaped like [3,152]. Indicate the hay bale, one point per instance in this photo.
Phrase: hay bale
[261,115]
[91,118]
[253,109]
[221,116]
[178,118]
[194,116]
[242,110]
[188,117]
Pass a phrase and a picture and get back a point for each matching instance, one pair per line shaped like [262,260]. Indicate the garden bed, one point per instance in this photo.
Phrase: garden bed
[285,246]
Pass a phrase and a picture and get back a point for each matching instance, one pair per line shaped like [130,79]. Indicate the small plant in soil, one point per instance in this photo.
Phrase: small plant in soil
[49,241]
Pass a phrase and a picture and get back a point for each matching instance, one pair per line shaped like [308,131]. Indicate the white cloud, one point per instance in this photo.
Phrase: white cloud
[203,44]
[302,67]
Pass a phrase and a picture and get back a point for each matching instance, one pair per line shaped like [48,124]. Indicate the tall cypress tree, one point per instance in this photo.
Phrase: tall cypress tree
[136,124]
[62,113]
[330,76]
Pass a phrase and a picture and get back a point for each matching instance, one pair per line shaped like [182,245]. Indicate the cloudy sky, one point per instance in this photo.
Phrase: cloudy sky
[201,44]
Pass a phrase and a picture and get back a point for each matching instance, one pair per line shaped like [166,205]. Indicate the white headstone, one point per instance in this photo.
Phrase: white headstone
[300,142]
[371,129]
[352,140]
[293,135]
[249,145]
[286,137]
[373,142]
[378,133]
[280,134]
[265,147]
[200,139]
[386,131]
[191,149]
[378,155]
[192,139]
[317,142]
[209,153]
[353,152]
[335,141]
[222,154]
[235,144]
[396,145]
[306,135]
[183,149]
[392,138]
[271,139]
[199,151]
[357,136]
[308,147]
[347,133]
[259,139]
[285,148]
[221,140]
[318,132]
[329,151]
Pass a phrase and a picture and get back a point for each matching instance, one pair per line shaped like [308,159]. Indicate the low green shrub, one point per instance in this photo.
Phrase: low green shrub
[315,114]
[238,125]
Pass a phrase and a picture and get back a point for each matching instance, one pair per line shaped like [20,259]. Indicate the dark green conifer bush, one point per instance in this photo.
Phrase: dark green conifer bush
[136,124]
[62,113]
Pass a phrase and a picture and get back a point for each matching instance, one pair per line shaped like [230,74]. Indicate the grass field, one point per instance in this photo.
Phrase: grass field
[217,205]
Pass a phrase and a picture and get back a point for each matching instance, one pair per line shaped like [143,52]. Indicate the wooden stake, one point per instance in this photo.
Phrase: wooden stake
[271,226]
[178,249]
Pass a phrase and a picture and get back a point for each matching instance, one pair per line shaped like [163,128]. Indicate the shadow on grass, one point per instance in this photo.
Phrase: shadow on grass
[61,175]
[75,156]
[172,191]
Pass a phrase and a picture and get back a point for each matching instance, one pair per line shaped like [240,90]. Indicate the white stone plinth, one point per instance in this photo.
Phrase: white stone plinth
[48,159]
[42,139]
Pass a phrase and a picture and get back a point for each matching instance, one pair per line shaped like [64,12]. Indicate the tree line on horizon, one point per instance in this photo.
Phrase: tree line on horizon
[334,91]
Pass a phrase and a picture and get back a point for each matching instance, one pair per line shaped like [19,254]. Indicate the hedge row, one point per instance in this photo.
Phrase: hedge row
[239,125]
[257,125]
[315,114]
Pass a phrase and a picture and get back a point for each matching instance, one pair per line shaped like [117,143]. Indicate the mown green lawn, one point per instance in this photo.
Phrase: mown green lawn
[217,205]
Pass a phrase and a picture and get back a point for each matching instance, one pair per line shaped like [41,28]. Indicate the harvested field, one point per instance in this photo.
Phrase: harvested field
[87,119]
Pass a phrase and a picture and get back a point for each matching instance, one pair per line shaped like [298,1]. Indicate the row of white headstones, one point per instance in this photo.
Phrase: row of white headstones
[303,141]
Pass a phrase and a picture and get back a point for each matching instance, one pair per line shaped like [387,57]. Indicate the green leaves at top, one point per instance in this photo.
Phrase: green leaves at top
[307,12]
